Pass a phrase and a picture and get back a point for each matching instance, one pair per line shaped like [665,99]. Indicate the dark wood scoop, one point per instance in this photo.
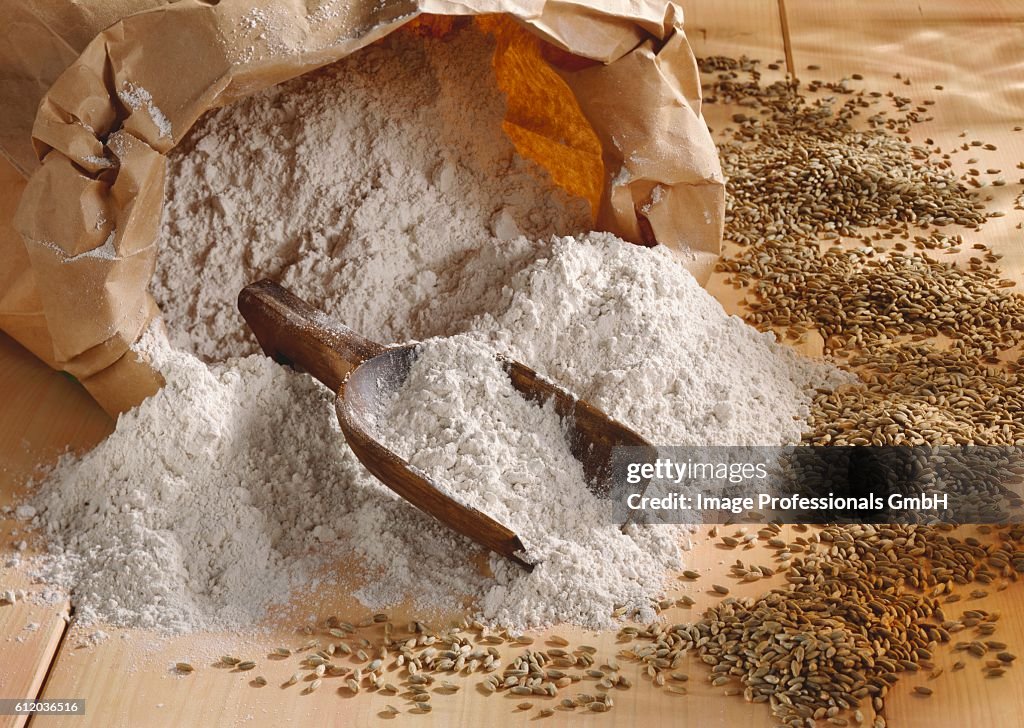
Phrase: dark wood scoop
[364,375]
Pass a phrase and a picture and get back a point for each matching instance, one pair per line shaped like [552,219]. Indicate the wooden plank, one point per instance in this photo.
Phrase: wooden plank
[43,413]
[971,50]
[129,682]
[736,28]
[29,637]
[967,695]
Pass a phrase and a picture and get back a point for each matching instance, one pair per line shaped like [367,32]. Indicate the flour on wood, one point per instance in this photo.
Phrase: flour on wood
[383,189]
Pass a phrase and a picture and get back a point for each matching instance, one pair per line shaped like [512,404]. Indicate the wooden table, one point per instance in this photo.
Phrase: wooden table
[971,49]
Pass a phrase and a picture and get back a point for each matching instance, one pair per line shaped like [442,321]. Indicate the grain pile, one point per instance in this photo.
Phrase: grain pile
[863,604]
[934,344]
[801,174]
[797,165]
[861,299]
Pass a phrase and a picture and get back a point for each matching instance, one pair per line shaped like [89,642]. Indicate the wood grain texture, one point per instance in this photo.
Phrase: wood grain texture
[736,28]
[41,414]
[30,635]
[969,48]
[129,682]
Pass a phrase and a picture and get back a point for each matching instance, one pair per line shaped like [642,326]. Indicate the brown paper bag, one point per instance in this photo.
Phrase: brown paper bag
[606,97]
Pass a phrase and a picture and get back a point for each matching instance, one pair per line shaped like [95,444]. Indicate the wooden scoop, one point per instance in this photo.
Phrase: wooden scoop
[364,375]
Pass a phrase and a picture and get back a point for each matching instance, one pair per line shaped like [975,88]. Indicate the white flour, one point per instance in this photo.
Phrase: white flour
[459,420]
[377,189]
[211,500]
[217,496]
[358,185]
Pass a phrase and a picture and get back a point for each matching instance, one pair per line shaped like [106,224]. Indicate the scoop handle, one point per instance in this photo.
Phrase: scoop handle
[293,332]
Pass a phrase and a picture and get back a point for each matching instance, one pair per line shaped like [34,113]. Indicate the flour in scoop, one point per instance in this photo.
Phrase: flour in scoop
[458,419]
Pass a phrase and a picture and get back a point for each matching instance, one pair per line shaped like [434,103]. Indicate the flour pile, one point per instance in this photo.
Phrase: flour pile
[358,185]
[631,331]
[217,496]
[384,190]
